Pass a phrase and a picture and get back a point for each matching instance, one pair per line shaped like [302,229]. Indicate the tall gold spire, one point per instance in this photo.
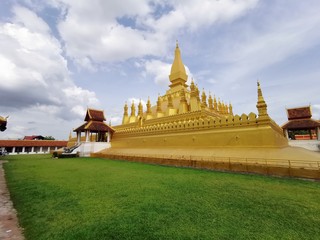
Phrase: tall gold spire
[261,104]
[178,76]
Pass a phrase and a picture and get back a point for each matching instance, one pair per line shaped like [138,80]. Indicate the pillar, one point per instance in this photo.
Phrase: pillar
[87,136]
[78,137]
[13,149]
[108,136]
[23,149]
[32,149]
[310,134]
[286,133]
[41,149]
[318,133]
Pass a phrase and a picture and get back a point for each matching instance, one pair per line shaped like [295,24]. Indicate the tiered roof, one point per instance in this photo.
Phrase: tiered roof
[300,118]
[94,122]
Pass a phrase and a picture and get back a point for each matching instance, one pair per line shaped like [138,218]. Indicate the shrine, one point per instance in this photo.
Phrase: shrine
[94,126]
[300,125]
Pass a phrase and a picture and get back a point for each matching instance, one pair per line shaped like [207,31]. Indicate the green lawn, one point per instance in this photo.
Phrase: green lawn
[90,198]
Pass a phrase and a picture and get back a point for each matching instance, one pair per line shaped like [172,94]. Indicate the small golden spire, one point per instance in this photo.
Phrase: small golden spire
[133,109]
[261,104]
[230,109]
[148,106]
[159,109]
[140,109]
[215,104]
[125,108]
[210,101]
[204,99]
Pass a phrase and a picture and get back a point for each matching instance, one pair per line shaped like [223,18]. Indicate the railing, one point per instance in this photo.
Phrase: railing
[279,167]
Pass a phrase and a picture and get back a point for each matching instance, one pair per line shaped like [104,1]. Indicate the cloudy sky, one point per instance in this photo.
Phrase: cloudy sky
[58,57]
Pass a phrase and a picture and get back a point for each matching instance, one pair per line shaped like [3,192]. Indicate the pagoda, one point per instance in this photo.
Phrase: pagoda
[185,118]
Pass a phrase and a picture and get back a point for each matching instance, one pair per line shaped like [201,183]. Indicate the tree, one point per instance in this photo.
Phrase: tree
[49,138]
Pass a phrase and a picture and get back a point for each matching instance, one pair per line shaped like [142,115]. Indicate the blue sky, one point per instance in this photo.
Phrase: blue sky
[58,57]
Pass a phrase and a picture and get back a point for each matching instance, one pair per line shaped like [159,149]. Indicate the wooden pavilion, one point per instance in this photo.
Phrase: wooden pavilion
[300,125]
[94,124]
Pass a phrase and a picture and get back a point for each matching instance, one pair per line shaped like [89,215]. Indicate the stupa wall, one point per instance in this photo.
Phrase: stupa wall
[233,131]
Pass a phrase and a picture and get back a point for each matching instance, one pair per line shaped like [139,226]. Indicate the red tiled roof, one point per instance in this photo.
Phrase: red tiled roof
[33,137]
[96,115]
[301,124]
[94,126]
[32,143]
[299,113]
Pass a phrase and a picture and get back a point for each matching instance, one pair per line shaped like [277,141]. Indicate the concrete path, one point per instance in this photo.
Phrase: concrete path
[9,229]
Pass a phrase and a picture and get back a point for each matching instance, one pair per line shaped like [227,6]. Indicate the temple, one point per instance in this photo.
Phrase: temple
[300,125]
[188,122]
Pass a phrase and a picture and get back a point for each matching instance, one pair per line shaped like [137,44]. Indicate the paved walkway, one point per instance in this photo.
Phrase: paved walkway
[9,229]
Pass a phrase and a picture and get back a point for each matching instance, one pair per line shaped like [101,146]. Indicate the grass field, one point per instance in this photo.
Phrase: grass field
[89,198]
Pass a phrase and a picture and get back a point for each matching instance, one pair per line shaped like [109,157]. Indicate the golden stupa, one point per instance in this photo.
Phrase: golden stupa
[192,129]
[181,119]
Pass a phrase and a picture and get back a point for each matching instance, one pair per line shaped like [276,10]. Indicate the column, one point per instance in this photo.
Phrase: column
[78,137]
[87,136]
[13,149]
[32,149]
[318,133]
[286,133]
[108,136]
[23,149]
[41,149]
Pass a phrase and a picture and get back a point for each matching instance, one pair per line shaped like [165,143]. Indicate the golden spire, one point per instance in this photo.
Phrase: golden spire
[230,109]
[192,86]
[215,104]
[178,74]
[125,108]
[210,101]
[140,109]
[159,110]
[227,108]
[133,109]
[148,106]
[204,99]
[125,118]
[261,104]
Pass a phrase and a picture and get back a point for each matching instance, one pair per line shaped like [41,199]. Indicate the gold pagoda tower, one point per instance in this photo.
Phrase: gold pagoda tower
[185,118]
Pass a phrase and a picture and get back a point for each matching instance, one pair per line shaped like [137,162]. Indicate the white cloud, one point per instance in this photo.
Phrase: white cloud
[160,71]
[105,31]
[34,73]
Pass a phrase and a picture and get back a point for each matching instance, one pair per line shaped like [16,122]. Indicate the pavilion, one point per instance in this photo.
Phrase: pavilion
[94,124]
[300,125]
